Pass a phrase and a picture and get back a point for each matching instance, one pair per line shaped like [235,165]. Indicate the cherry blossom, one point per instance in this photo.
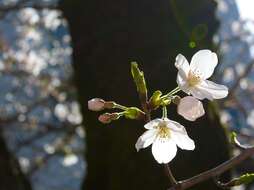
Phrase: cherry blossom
[165,135]
[192,78]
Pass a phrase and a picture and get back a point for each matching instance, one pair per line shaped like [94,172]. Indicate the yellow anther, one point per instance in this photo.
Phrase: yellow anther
[164,131]
[193,79]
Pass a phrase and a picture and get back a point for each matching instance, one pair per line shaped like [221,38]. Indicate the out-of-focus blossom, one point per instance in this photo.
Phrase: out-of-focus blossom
[192,77]
[165,135]
[190,108]
[250,119]
[61,111]
[70,160]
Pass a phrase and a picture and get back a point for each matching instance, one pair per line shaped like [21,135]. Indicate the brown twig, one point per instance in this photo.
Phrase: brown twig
[185,184]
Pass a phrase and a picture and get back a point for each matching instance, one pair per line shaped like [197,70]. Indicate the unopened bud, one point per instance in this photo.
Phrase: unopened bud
[98,104]
[190,108]
[108,117]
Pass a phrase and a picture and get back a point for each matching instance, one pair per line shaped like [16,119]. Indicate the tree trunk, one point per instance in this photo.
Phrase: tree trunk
[11,175]
[106,36]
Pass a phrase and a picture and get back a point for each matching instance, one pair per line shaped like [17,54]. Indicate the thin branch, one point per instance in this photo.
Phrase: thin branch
[170,174]
[185,184]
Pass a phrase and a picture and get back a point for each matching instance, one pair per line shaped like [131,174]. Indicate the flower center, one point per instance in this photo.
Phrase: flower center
[194,78]
[164,131]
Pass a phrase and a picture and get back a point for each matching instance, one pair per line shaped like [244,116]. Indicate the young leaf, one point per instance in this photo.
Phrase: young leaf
[244,179]
[139,80]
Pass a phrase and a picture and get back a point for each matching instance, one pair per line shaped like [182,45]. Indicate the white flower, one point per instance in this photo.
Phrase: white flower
[191,78]
[190,108]
[165,135]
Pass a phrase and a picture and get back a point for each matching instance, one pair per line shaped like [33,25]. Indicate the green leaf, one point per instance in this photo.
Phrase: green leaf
[139,79]
[236,142]
[244,179]
[233,136]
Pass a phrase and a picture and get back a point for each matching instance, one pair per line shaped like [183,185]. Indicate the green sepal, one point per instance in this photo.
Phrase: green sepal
[139,79]
[155,99]
[133,113]
[165,101]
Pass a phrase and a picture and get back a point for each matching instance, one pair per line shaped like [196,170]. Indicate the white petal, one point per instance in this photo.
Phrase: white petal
[183,66]
[164,150]
[200,93]
[180,136]
[204,61]
[146,139]
[212,90]
[182,83]
[183,141]
[190,108]
[152,124]
[183,70]
[175,126]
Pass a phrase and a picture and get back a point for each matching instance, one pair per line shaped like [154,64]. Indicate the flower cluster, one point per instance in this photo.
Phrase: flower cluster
[164,134]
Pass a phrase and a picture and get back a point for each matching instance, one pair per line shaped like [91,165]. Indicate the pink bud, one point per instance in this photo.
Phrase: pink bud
[96,104]
[108,117]
[105,118]
[190,108]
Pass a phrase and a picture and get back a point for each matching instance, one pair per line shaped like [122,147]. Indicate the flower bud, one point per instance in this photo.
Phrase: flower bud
[108,117]
[190,108]
[98,104]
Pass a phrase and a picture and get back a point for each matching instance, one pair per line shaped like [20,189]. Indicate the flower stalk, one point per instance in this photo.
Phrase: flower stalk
[171,93]
[170,175]
[118,106]
[164,112]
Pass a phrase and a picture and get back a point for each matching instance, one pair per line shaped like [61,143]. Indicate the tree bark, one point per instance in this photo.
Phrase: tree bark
[106,36]
[11,175]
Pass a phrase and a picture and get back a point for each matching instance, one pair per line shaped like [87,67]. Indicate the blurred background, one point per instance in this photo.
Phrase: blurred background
[56,55]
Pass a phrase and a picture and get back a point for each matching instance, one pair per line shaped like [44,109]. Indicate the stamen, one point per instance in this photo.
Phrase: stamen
[164,131]
[194,78]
